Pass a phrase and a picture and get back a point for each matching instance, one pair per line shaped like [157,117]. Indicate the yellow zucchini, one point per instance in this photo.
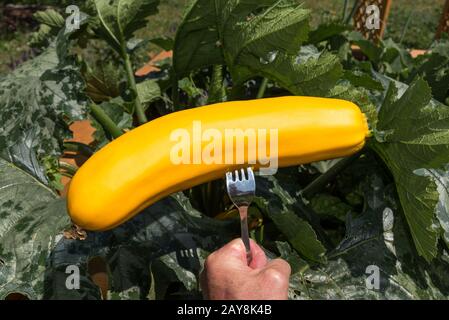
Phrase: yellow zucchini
[137,169]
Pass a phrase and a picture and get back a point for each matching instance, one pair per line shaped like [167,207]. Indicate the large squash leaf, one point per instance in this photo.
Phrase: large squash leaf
[23,156]
[378,238]
[434,68]
[117,20]
[51,22]
[284,209]
[31,217]
[149,243]
[254,38]
[39,99]
[37,103]
[413,139]
[34,255]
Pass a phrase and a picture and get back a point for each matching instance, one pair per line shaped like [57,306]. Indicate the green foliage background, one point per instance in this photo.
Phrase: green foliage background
[387,206]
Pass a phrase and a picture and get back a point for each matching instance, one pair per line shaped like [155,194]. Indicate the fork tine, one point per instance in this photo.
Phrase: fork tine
[237,178]
[250,174]
[243,174]
[241,191]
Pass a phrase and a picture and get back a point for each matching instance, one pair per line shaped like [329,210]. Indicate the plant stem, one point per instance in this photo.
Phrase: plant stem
[404,30]
[79,147]
[175,93]
[66,174]
[345,9]
[353,10]
[71,170]
[105,121]
[320,182]
[263,87]
[132,86]
[261,233]
[304,269]
[216,90]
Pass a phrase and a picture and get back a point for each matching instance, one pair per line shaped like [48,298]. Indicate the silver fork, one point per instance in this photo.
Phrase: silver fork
[241,190]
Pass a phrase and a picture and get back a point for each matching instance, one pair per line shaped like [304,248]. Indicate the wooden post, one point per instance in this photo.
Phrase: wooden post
[443,27]
[361,17]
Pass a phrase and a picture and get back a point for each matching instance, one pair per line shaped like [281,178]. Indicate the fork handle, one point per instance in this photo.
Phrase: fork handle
[244,232]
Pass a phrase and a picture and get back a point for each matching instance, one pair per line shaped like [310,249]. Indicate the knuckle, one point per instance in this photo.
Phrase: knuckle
[285,266]
[274,275]
[235,247]
[211,259]
[277,276]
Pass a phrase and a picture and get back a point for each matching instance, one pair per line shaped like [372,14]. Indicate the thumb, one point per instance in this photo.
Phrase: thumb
[259,259]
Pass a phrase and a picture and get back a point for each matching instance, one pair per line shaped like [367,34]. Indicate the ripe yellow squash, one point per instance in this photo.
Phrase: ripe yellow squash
[147,163]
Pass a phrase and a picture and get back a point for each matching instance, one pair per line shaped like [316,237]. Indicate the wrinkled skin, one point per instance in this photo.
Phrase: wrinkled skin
[226,275]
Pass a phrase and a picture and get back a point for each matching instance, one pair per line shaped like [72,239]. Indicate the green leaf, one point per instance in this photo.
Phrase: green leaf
[254,38]
[152,240]
[277,203]
[395,59]
[135,44]
[53,172]
[37,101]
[115,109]
[51,23]
[325,31]
[148,91]
[217,88]
[441,47]
[196,96]
[41,38]
[291,256]
[103,81]
[164,43]
[40,98]
[24,158]
[361,79]
[328,205]
[189,87]
[119,19]
[309,73]
[31,217]
[378,238]
[50,17]
[368,48]
[434,68]
[413,140]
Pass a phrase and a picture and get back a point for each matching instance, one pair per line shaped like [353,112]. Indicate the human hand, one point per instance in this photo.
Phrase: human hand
[226,275]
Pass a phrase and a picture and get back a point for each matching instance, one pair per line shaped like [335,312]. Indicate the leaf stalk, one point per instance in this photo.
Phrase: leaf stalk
[319,183]
[262,88]
[106,122]
[138,107]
